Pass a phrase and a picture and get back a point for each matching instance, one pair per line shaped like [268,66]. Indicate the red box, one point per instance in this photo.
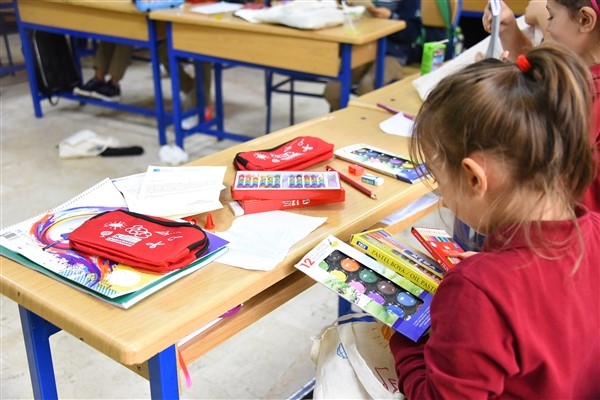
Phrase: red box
[256,206]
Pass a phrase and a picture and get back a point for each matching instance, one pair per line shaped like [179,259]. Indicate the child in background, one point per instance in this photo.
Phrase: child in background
[575,24]
[508,145]
[111,60]
[401,48]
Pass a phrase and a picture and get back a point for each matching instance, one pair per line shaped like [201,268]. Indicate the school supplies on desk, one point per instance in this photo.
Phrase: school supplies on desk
[141,241]
[293,155]
[369,285]
[285,185]
[400,257]
[149,5]
[367,192]
[42,244]
[242,207]
[380,160]
[440,245]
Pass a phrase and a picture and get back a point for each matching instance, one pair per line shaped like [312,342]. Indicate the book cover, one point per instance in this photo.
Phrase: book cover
[285,185]
[440,245]
[383,161]
[255,206]
[42,243]
[370,285]
[383,247]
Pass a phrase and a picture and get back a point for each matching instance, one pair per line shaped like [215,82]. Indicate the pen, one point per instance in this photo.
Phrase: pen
[354,184]
[394,111]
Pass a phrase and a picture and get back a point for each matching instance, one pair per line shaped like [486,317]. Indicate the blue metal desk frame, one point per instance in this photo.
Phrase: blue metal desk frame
[163,369]
[215,126]
[162,118]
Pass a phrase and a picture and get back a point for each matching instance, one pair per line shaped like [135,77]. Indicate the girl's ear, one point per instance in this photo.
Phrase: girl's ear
[588,19]
[477,179]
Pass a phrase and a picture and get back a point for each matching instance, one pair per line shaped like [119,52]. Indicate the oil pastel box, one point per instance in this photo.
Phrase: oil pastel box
[370,285]
[285,185]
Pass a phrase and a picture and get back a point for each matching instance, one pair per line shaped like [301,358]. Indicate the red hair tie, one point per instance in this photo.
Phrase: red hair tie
[523,63]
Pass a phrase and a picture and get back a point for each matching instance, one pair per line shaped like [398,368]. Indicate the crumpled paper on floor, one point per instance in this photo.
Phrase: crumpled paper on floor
[261,241]
[172,155]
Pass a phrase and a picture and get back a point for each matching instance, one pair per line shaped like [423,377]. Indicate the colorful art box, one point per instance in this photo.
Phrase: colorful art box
[285,185]
[370,285]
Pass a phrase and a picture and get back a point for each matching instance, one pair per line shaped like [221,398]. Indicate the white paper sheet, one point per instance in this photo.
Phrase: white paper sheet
[217,8]
[180,191]
[261,241]
[398,124]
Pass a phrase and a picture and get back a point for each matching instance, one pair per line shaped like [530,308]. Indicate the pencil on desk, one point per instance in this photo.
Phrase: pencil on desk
[353,183]
[387,108]
[394,111]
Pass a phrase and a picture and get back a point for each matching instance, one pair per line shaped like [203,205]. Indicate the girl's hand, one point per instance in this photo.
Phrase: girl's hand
[379,12]
[507,18]
[466,254]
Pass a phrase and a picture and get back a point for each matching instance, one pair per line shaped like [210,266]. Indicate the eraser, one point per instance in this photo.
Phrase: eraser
[355,169]
[236,209]
[372,179]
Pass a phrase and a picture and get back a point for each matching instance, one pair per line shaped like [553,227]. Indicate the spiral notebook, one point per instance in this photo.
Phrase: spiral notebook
[42,243]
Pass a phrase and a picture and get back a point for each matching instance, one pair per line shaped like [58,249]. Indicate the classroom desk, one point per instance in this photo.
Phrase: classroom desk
[144,337]
[474,8]
[225,39]
[400,95]
[116,21]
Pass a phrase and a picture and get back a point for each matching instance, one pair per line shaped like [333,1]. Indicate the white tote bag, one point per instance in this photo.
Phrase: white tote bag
[354,361]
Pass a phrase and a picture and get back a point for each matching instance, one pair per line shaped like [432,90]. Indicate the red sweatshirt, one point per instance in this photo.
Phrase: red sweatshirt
[592,197]
[507,323]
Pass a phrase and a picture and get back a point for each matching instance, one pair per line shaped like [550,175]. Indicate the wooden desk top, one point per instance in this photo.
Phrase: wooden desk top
[118,18]
[135,335]
[400,95]
[367,29]
[125,6]
[477,6]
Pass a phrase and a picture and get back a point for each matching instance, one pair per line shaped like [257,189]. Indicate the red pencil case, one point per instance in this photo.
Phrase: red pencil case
[294,155]
[138,240]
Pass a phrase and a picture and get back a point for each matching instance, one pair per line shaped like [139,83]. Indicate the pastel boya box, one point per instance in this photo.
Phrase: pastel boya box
[369,285]
[285,184]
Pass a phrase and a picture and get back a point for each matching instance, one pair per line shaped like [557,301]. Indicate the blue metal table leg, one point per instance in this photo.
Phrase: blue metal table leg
[174,71]
[158,95]
[380,62]
[219,111]
[164,383]
[37,332]
[345,75]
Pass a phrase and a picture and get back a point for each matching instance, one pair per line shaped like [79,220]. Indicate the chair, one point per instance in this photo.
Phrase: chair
[289,80]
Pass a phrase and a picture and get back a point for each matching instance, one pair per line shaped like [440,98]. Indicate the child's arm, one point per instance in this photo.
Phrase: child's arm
[380,12]
[513,40]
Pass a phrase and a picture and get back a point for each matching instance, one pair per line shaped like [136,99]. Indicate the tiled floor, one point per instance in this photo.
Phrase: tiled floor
[268,360]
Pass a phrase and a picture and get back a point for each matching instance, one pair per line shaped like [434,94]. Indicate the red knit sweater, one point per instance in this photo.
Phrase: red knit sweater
[507,323]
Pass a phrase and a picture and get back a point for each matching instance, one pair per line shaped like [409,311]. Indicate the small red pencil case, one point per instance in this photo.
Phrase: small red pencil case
[294,155]
[142,241]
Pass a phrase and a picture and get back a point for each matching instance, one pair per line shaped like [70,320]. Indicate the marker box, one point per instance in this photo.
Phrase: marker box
[372,179]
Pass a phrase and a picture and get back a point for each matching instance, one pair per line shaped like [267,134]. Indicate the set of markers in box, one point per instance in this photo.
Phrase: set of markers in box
[370,285]
[269,185]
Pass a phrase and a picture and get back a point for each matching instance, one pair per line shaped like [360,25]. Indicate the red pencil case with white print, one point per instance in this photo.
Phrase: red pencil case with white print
[142,241]
[294,155]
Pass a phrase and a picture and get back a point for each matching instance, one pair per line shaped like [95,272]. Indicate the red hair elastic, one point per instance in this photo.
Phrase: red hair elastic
[523,63]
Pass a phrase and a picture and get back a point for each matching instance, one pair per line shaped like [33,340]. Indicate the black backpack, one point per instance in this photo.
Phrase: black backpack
[54,64]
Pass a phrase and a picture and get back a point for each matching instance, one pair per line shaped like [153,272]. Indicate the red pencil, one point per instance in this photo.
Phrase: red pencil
[353,183]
